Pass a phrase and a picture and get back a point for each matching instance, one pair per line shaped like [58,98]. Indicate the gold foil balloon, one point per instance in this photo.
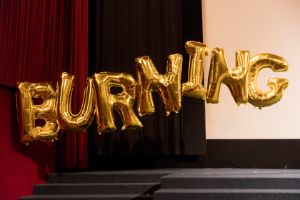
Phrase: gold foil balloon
[235,79]
[29,112]
[277,85]
[193,87]
[122,102]
[168,85]
[81,120]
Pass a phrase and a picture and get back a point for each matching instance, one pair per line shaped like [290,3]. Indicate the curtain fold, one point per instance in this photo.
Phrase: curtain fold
[38,41]
[72,148]
[120,31]
[41,39]
[31,36]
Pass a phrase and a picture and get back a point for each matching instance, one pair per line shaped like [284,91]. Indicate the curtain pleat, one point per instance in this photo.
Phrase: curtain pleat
[72,148]
[39,39]
[29,41]
[120,31]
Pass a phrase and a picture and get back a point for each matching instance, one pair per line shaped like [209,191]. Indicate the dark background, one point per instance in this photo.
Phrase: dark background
[120,31]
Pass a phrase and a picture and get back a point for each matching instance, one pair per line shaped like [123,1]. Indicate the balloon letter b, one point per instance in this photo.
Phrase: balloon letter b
[29,112]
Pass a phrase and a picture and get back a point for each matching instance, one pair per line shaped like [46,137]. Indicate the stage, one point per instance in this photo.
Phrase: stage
[208,184]
[140,99]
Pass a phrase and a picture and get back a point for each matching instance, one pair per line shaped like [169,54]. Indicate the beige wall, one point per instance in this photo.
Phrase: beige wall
[268,26]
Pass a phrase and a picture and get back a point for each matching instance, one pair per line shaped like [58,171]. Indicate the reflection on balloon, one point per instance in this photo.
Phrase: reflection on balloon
[55,107]
[67,120]
[168,85]
[193,87]
[277,85]
[122,102]
[235,79]
[29,113]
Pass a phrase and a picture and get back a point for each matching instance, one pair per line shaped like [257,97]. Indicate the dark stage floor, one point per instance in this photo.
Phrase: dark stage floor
[175,184]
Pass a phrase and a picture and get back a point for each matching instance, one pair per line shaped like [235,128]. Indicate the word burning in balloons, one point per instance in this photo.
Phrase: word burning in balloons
[98,101]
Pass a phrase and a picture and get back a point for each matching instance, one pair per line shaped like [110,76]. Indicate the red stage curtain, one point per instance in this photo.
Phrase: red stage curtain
[33,43]
[72,148]
[38,41]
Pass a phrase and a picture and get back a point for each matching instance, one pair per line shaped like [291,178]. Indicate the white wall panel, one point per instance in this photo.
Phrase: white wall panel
[269,26]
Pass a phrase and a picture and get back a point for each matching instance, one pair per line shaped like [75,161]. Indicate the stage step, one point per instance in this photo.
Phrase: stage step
[139,184]
[131,176]
[206,179]
[90,197]
[230,184]
[227,194]
[189,184]
[94,188]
